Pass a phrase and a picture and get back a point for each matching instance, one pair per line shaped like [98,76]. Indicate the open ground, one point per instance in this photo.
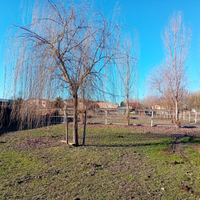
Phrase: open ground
[117,162]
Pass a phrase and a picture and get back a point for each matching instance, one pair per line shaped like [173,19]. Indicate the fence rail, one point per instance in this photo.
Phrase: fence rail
[118,116]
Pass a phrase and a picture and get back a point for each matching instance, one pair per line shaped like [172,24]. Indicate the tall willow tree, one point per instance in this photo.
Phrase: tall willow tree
[50,54]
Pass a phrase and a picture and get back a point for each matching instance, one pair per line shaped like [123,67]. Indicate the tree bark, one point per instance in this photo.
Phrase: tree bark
[84,103]
[128,113]
[84,130]
[75,118]
[176,107]
[66,125]
[127,96]
[176,114]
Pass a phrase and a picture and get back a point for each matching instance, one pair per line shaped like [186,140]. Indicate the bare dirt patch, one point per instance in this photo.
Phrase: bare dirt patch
[37,142]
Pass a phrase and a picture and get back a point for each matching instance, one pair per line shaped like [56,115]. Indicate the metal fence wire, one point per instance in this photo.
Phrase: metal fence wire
[119,116]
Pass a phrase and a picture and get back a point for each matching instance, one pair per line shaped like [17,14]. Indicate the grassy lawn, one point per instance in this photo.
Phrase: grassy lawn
[116,163]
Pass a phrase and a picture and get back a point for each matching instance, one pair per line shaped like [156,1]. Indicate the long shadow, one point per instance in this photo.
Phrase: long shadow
[129,145]
[192,139]
[141,136]
[151,136]
[145,140]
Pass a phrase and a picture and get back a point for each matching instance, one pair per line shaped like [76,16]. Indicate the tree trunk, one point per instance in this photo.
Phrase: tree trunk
[128,113]
[127,100]
[75,118]
[176,114]
[84,103]
[66,125]
[84,130]
[176,107]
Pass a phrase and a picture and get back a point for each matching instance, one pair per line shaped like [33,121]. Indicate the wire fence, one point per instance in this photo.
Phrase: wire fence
[119,116]
[114,116]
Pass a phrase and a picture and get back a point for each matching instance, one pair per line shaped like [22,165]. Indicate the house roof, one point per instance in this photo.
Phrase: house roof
[5,100]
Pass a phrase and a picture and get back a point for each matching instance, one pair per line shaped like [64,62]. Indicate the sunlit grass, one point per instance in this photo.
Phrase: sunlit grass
[116,163]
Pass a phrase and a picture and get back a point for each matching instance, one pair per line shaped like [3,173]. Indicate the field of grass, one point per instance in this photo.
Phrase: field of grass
[116,163]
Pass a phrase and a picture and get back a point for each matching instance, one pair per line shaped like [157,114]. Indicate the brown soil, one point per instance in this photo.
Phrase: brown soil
[186,188]
[37,142]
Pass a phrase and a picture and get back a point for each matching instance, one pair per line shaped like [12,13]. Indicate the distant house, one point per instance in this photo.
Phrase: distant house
[5,102]
[81,103]
[90,104]
[39,102]
[121,109]
[134,105]
[142,112]
[106,104]
[158,107]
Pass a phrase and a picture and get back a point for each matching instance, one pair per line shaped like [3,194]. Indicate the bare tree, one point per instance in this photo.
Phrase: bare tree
[171,78]
[151,100]
[52,51]
[128,70]
[159,84]
[193,100]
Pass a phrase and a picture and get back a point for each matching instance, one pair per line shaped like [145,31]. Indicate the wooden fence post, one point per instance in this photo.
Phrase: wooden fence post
[66,125]
[152,116]
[189,116]
[106,114]
[195,117]
[84,126]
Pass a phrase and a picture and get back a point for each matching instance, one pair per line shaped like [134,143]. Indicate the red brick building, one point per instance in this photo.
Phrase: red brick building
[134,105]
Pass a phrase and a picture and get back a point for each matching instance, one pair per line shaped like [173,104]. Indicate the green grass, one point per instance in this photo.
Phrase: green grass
[116,163]
[191,140]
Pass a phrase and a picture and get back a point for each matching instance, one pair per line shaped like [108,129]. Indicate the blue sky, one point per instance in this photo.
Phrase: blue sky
[148,17]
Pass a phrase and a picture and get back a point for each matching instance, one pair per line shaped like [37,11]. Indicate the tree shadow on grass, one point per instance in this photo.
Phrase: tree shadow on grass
[145,140]
[150,139]
[128,145]
[191,139]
